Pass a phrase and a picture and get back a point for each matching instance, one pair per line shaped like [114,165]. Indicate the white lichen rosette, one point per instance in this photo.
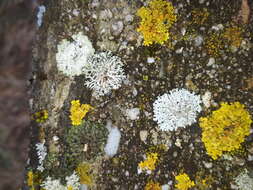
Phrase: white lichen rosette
[178,108]
[42,153]
[104,73]
[72,55]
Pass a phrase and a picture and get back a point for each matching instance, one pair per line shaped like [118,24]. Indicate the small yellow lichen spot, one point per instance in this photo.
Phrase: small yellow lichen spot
[40,116]
[184,182]
[150,162]
[78,111]
[225,129]
[214,44]
[152,186]
[30,179]
[199,16]
[156,20]
[83,170]
[70,188]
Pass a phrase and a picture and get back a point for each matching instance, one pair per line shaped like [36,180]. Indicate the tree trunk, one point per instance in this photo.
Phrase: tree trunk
[111,25]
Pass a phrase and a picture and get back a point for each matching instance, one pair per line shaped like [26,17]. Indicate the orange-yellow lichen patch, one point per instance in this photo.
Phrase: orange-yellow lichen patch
[214,44]
[184,182]
[150,162]
[199,16]
[152,186]
[78,111]
[156,20]
[233,35]
[225,129]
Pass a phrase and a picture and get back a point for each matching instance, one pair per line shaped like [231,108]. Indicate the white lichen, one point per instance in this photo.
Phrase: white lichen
[104,72]
[133,113]
[41,11]
[42,153]
[73,182]
[113,140]
[244,181]
[50,184]
[179,108]
[72,55]
[206,99]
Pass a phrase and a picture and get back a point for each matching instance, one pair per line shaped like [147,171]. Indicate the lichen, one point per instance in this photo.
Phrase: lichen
[40,116]
[78,111]
[225,129]
[199,16]
[150,162]
[156,19]
[233,35]
[214,44]
[151,185]
[84,172]
[33,180]
[184,182]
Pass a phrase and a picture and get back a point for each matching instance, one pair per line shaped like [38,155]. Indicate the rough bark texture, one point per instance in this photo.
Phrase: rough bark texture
[229,78]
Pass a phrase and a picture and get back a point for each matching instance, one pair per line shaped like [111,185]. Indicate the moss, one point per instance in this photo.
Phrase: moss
[84,143]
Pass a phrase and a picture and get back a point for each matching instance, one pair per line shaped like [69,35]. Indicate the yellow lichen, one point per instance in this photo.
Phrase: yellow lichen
[84,172]
[32,180]
[152,186]
[40,116]
[214,44]
[184,182]
[78,111]
[156,20]
[150,162]
[233,35]
[203,182]
[225,129]
[199,16]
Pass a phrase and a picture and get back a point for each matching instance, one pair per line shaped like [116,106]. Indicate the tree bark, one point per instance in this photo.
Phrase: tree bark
[111,25]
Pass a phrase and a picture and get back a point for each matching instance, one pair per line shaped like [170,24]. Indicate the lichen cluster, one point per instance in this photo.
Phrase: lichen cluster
[184,182]
[32,180]
[156,20]
[78,111]
[40,116]
[151,185]
[233,35]
[199,16]
[83,143]
[225,129]
[150,162]
[84,172]
[214,44]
